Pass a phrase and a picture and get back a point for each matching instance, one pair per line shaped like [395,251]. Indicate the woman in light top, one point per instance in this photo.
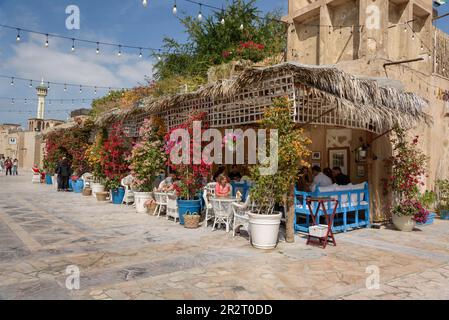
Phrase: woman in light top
[222,188]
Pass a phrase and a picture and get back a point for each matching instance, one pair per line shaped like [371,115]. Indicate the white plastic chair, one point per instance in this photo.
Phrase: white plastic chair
[88,179]
[161,202]
[207,207]
[222,213]
[36,177]
[241,217]
[210,187]
[172,207]
[126,182]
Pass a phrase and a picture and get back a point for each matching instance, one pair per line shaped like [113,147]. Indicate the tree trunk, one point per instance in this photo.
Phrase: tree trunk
[290,217]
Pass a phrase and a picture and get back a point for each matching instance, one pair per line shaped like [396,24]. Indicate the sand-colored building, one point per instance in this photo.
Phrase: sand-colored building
[375,39]
[26,144]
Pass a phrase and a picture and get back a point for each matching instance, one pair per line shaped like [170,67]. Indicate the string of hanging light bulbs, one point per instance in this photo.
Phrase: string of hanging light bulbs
[34,111]
[213,8]
[140,49]
[66,85]
[50,101]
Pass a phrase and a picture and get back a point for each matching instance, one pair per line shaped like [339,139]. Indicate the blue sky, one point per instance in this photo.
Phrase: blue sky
[116,21]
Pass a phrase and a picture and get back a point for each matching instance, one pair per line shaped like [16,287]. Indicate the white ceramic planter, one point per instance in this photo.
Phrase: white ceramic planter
[54,181]
[264,230]
[97,187]
[139,200]
[404,223]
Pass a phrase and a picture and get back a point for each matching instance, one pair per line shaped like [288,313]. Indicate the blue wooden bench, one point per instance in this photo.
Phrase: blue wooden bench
[353,209]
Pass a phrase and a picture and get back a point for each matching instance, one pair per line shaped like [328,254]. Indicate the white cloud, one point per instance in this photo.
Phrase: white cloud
[57,63]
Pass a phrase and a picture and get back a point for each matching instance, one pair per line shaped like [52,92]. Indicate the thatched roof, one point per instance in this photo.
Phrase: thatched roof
[363,98]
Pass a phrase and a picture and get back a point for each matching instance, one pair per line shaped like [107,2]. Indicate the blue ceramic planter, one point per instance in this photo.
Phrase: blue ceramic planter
[444,214]
[77,186]
[191,206]
[48,179]
[117,195]
[430,219]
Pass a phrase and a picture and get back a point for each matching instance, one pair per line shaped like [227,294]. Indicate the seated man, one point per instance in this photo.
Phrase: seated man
[167,184]
[319,179]
[340,178]
[235,175]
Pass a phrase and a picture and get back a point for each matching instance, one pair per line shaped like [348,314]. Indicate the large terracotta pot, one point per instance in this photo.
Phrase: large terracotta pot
[102,196]
[264,230]
[404,223]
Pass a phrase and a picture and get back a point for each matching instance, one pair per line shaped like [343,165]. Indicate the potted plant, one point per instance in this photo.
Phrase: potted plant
[427,200]
[147,161]
[114,155]
[93,156]
[407,165]
[407,214]
[190,176]
[276,187]
[443,198]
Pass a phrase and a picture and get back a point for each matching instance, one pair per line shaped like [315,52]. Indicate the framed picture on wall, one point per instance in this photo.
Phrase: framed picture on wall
[316,155]
[360,171]
[339,157]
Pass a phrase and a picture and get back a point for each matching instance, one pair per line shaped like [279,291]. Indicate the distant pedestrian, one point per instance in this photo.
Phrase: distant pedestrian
[2,164]
[15,165]
[8,166]
[64,171]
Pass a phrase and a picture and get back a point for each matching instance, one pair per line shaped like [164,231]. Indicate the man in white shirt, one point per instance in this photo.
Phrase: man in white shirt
[319,179]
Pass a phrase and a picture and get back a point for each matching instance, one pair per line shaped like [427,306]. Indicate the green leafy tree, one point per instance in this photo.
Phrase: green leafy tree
[212,43]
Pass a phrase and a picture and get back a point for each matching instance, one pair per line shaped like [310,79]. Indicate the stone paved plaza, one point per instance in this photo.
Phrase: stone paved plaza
[125,255]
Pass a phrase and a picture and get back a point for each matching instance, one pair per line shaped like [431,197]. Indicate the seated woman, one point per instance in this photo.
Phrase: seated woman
[222,188]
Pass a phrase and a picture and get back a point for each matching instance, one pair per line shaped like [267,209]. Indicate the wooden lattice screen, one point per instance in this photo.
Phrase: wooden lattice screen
[248,105]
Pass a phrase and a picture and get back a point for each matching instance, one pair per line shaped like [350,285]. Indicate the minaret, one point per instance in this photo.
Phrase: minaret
[41,94]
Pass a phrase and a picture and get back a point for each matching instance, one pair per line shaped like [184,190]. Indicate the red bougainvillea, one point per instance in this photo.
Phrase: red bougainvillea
[114,154]
[408,168]
[71,143]
[191,177]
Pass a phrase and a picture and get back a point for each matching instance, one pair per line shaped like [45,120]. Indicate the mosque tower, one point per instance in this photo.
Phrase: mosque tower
[42,91]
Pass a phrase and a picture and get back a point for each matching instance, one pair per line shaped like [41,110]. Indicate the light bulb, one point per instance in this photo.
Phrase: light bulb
[119,51]
[140,53]
[145,3]
[98,48]
[73,45]
[31,84]
[175,10]
[46,42]
[241,26]
[18,35]
[222,21]
[95,91]
[12,81]
[200,16]
[81,89]
[65,87]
